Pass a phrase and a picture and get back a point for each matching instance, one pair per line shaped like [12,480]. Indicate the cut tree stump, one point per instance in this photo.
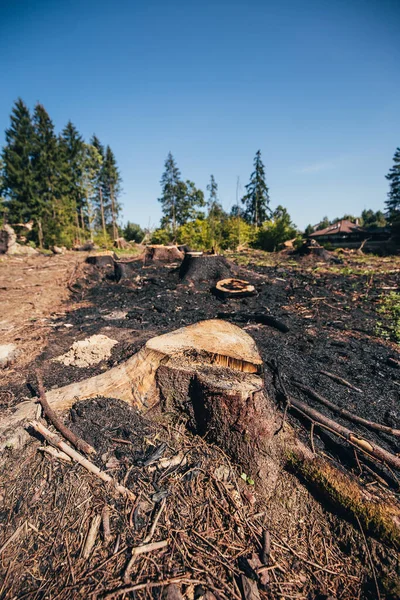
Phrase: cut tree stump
[211,371]
[197,269]
[159,253]
[234,288]
[101,260]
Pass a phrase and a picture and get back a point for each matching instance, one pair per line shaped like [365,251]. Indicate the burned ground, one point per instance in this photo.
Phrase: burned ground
[334,326]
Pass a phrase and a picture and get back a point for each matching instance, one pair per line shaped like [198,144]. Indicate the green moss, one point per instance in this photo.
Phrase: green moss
[377,518]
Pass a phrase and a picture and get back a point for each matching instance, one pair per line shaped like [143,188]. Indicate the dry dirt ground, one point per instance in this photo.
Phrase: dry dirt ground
[216,525]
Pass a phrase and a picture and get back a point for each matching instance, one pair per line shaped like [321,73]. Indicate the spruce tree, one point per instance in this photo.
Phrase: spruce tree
[100,188]
[112,189]
[52,210]
[256,200]
[215,211]
[170,180]
[17,176]
[393,201]
[92,163]
[189,199]
[72,156]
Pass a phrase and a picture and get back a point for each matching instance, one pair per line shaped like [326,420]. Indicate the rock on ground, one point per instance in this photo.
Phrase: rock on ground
[88,352]
[8,352]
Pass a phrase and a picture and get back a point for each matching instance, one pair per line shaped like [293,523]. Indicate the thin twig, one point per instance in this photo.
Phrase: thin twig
[56,421]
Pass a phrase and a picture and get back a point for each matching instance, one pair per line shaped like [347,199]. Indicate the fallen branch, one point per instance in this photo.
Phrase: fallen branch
[341,380]
[372,450]
[54,440]
[56,421]
[345,413]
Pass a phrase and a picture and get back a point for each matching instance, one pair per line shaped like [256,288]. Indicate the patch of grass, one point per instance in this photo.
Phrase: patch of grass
[389,308]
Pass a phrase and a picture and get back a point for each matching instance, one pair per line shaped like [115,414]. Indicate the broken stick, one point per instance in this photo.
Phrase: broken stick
[345,413]
[144,549]
[54,440]
[340,380]
[56,421]
[372,450]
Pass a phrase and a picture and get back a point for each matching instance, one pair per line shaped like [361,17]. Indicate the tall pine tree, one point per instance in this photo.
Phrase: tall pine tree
[393,201]
[112,189]
[100,187]
[53,212]
[256,200]
[170,180]
[72,157]
[215,211]
[17,176]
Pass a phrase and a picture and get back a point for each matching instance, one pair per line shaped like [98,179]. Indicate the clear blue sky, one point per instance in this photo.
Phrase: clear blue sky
[314,84]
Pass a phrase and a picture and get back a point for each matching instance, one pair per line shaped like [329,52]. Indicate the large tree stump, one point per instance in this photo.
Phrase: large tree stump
[205,269]
[211,371]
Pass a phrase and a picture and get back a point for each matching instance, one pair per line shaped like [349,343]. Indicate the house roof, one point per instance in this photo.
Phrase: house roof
[343,226]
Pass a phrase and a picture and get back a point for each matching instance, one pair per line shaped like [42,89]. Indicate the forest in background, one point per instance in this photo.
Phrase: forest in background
[70,191]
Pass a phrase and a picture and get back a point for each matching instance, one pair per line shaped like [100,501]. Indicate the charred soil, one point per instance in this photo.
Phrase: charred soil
[212,516]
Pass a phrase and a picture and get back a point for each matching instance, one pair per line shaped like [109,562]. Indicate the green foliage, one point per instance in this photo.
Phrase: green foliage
[389,308]
[17,175]
[256,200]
[393,201]
[132,232]
[161,236]
[195,234]
[57,181]
[308,230]
[276,231]
[180,200]
[370,219]
[323,224]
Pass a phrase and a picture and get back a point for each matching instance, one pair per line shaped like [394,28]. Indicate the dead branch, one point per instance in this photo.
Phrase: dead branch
[56,421]
[54,440]
[372,450]
[340,380]
[345,413]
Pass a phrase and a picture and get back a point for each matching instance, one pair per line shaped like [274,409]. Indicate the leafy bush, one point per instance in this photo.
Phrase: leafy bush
[276,231]
[161,236]
[132,232]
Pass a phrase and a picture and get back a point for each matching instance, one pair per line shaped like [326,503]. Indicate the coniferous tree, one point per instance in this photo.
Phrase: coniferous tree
[188,202]
[17,176]
[256,200]
[393,201]
[100,187]
[92,164]
[170,180]
[52,210]
[112,189]
[71,157]
[215,210]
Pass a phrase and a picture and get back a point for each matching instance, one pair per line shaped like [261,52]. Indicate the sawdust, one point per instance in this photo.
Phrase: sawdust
[88,352]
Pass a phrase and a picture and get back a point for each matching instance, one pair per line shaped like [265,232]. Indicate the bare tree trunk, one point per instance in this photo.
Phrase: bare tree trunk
[103,221]
[82,222]
[90,217]
[40,233]
[115,228]
[78,229]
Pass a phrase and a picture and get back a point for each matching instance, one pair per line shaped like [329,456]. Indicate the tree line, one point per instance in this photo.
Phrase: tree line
[191,218]
[71,189]
[67,188]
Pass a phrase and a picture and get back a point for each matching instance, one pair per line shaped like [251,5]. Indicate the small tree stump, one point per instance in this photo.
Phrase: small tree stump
[100,260]
[159,253]
[205,268]
[234,288]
